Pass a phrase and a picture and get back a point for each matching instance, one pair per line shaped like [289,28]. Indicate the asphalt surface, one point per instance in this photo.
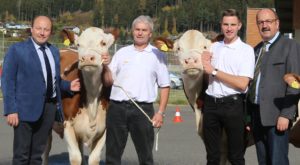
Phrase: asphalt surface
[178,144]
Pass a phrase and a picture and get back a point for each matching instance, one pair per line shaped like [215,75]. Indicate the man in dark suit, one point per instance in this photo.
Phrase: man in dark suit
[31,86]
[271,102]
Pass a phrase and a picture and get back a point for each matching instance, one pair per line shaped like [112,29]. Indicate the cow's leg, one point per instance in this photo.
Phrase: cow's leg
[72,144]
[94,157]
[198,114]
[96,150]
[224,150]
[45,155]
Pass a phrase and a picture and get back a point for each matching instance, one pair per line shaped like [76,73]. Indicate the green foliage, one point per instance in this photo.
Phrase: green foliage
[189,14]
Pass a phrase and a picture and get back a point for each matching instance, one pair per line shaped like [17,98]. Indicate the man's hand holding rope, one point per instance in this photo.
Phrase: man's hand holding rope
[158,120]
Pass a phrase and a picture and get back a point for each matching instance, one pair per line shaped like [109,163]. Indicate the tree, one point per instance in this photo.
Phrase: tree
[180,14]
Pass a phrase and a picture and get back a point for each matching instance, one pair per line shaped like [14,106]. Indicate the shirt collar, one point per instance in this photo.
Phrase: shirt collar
[271,41]
[146,49]
[234,45]
[274,38]
[37,46]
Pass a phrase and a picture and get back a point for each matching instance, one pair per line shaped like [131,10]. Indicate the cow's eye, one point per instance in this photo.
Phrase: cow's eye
[205,47]
[78,45]
[102,43]
[178,49]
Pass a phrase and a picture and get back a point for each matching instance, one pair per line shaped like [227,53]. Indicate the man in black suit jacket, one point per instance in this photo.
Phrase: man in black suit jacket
[31,91]
[272,103]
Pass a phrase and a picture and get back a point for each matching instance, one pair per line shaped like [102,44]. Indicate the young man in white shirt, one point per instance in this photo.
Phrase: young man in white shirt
[230,67]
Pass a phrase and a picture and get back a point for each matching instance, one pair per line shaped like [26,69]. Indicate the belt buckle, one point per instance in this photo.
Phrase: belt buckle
[218,100]
[235,97]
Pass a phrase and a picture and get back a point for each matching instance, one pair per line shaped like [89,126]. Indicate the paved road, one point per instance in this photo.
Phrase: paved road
[178,144]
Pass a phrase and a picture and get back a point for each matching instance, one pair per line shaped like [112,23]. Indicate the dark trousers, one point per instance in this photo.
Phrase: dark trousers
[30,138]
[123,118]
[228,114]
[271,145]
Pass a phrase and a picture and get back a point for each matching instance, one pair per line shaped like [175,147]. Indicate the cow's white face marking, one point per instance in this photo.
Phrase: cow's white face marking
[189,48]
[92,43]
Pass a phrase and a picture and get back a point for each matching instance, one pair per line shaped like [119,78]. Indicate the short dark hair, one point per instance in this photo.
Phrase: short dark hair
[50,19]
[231,12]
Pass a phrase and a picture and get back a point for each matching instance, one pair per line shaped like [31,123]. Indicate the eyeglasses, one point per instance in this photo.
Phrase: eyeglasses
[268,21]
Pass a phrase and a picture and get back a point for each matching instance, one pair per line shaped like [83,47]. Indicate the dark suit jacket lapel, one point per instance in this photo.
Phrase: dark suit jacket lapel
[35,57]
[270,56]
[257,50]
[56,58]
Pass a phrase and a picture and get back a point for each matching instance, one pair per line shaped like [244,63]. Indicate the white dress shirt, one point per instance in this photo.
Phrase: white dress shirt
[236,59]
[51,61]
[139,73]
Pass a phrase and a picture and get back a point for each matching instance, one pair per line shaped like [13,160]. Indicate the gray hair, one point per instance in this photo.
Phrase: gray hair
[144,19]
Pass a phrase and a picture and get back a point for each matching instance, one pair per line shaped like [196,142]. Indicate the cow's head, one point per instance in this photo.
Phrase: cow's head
[189,48]
[92,43]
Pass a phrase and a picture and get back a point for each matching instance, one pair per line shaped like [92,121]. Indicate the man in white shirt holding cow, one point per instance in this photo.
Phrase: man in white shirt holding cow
[230,67]
[137,70]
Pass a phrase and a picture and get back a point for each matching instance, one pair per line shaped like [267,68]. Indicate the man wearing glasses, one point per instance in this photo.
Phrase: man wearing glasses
[271,102]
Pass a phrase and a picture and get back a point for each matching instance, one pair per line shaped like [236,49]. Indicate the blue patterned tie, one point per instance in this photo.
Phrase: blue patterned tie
[252,88]
[49,73]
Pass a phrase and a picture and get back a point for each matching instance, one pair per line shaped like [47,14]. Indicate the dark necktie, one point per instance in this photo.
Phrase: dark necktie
[253,85]
[49,73]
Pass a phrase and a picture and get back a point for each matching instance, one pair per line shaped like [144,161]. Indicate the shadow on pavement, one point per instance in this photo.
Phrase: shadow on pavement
[63,159]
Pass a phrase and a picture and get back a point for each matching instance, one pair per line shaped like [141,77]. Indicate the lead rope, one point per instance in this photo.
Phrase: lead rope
[149,119]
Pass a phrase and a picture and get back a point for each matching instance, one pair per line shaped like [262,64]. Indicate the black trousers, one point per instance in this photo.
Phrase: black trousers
[123,118]
[30,138]
[227,113]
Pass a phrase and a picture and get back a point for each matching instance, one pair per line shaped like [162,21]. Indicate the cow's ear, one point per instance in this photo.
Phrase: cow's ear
[114,31]
[176,47]
[110,39]
[68,37]
[163,44]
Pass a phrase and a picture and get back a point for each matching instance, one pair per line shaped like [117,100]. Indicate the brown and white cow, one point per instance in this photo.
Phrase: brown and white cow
[85,112]
[88,125]
[188,48]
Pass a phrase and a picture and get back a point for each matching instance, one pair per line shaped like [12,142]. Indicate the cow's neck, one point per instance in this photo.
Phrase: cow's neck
[93,86]
[192,86]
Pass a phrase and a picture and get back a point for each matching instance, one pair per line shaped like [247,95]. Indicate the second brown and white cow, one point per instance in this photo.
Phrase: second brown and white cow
[189,48]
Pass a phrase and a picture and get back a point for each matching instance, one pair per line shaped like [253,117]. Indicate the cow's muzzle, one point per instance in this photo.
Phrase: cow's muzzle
[90,61]
[192,71]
